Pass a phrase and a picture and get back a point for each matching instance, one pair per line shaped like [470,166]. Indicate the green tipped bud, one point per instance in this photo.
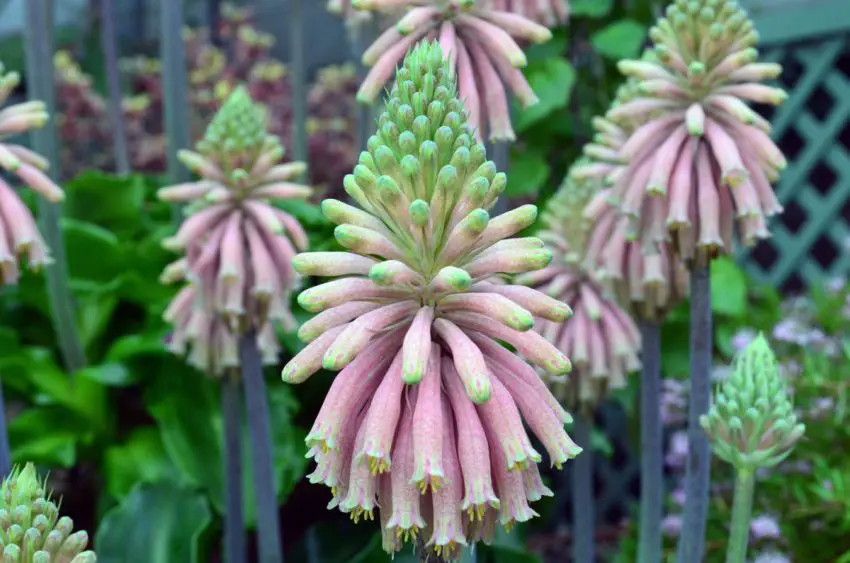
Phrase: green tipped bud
[366,179]
[451,278]
[752,423]
[238,126]
[420,213]
[448,177]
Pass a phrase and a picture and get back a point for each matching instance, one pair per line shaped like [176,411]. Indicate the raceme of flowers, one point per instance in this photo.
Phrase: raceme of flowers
[19,235]
[424,420]
[481,42]
[238,244]
[648,279]
[702,157]
[602,341]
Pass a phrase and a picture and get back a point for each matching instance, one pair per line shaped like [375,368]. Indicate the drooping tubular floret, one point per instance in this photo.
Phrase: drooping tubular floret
[238,244]
[427,400]
[702,157]
[482,44]
[602,341]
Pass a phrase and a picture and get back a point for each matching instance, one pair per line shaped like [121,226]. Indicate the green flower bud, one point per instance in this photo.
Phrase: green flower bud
[752,423]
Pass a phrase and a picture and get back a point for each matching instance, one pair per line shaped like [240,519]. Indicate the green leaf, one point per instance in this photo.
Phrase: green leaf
[599,442]
[93,316]
[93,253]
[622,39]
[109,201]
[591,8]
[140,459]
[156,523]
[46,436]
[112,375]
[728,288]
[528,173]
[552,80]
[136,345]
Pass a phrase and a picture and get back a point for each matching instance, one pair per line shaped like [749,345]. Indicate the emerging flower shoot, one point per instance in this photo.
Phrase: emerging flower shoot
[701,158]
[426,400]
[19,236]
[481,42]
[238,245]
[602,341]
[30,526]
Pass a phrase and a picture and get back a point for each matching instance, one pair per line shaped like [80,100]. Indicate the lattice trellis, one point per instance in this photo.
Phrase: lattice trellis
[810,240]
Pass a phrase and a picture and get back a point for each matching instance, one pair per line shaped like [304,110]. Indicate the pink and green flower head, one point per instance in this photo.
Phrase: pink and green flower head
[602,341]
[30,526]
[702,159]
[238,243]
[481,43]
[425,417]
[550,13]
[19,235]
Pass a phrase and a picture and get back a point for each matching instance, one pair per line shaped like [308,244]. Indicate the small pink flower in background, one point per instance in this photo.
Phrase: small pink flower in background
[238,245]
[702,158]
[482,42]
[425,419]
[602,341]
[765,527]
[678,452]
[19,235]
[671,525]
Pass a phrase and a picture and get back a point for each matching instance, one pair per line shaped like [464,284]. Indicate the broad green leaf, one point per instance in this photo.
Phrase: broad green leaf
[135,345]
[156,523]
[728,288]
[47,436]
[111,375]
[93,253]
[94,312]
[140,459]
[528,173]
[552,80]
[622,39]
[112,202]
[591,8]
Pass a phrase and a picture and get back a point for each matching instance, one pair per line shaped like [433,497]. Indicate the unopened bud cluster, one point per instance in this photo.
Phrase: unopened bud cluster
[699,158]
[601,340]
[19,235]
[752,423]
[31,530]
[424,420]
[238,245]
[481,41]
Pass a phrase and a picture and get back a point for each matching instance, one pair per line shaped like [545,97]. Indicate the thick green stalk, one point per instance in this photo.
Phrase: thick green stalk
[175,93]
[234,522]
[697,475]
[651,448]
[113,83]
[584,513]
[299,82]
[40,86]
[742,511]
[259,430]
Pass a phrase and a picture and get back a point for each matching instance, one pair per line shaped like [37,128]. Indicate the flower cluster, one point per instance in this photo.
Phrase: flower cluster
[602,341]
[238,245]
[425,418]
[19,236]
[701,157]
[646,276]
[481,42]
[30,526]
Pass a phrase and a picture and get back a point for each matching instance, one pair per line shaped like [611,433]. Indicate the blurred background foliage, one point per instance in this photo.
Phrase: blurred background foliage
[133,441]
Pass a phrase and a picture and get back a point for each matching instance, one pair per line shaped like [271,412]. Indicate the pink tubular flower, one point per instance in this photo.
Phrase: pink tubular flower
[547,12]
[19,234]
[425,417]
[602,341]
[238,245]
[481,42]
[648,279]
[701,157]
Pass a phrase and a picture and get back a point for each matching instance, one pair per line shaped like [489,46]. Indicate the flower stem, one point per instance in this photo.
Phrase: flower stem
[5,453]
[692,543]
[175,99]
[584,513]
[39,53]
[742,510]
[113,83]
[651,465]
[268,526]
[234,522]
[299,82]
